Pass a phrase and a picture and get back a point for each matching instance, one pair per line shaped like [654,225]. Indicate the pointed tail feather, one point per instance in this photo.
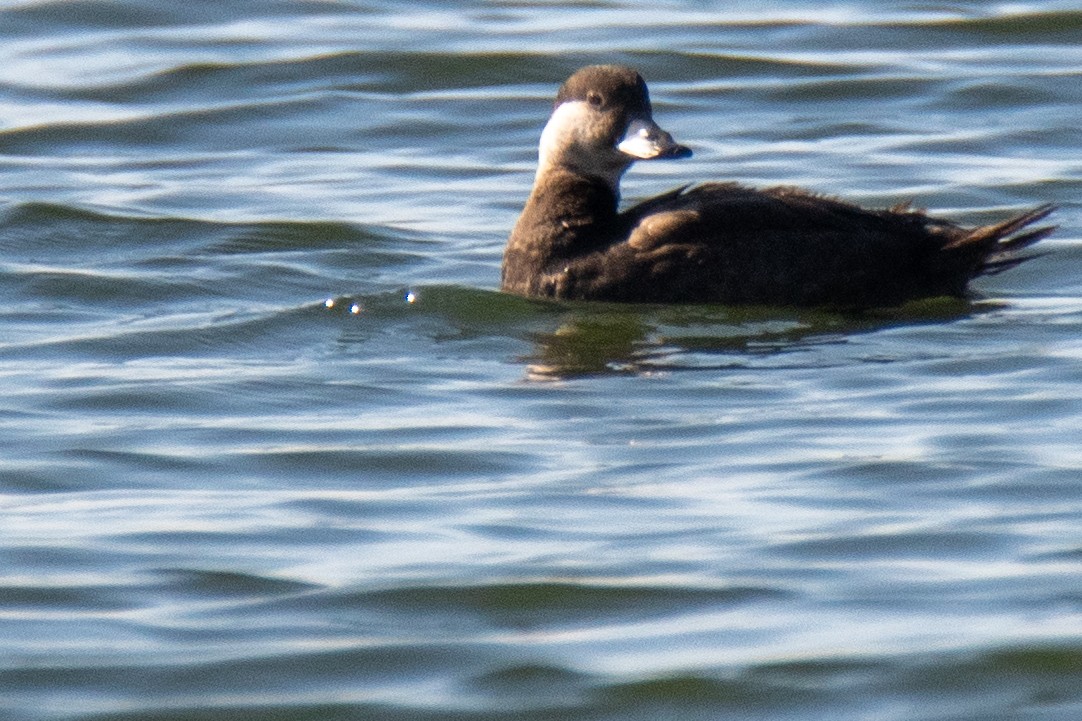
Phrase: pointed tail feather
[997,266]
[991,247]
[998,233]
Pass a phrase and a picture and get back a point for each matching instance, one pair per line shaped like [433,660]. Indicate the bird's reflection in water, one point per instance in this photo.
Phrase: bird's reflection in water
[600,339]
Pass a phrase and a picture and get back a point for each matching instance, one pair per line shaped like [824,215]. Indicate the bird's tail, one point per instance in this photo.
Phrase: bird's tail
[992,249]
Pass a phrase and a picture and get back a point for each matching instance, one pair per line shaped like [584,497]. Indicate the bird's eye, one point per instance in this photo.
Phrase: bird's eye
[594,99]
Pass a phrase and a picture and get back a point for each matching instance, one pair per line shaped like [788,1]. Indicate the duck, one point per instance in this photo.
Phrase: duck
[721,242]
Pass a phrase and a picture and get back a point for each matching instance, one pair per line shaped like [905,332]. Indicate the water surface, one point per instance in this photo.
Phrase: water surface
[275,448]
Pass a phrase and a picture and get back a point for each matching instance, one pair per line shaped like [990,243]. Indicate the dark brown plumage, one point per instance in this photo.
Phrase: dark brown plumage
[720,242]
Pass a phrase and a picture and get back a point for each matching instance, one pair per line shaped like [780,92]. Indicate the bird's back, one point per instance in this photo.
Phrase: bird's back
[732,244]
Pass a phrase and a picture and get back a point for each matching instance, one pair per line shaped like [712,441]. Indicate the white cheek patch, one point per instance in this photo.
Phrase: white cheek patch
[569,141]
[561,132]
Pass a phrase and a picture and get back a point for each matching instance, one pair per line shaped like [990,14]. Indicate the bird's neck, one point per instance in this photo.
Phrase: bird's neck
[568,214]
[571,211]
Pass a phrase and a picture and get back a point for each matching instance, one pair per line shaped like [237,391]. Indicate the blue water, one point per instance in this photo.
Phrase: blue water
[274,447]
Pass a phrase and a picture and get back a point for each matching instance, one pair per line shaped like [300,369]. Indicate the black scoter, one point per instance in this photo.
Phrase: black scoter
[720,242]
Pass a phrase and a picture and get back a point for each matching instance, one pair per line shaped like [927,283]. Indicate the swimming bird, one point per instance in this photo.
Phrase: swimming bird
[721,242]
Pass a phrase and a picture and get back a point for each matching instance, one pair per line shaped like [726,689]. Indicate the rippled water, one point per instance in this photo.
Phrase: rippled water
[275,448]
